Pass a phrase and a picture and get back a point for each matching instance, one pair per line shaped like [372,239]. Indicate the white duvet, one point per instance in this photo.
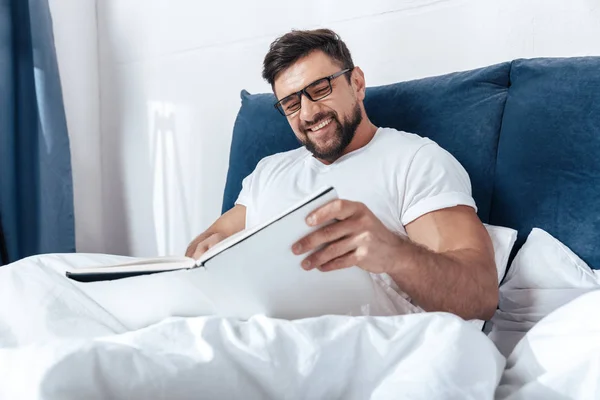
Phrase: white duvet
[559,358]
[146,338]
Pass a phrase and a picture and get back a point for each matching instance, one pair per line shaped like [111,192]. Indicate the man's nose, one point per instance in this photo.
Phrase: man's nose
[308,108]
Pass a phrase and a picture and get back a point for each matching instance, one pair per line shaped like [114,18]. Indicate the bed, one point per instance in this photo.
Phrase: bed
[528,133]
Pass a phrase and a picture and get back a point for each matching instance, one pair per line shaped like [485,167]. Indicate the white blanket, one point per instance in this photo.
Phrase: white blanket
[559,358]
[65,340]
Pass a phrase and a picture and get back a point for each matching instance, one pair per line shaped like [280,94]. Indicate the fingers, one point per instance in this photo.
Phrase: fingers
[348,252]
[329,253]
[206,244]
[200,249]
[335,209]
[347,260]
[189,252]
[327,234]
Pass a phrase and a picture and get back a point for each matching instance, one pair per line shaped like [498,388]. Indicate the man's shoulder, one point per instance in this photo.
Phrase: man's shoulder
[398,142]
[412,148]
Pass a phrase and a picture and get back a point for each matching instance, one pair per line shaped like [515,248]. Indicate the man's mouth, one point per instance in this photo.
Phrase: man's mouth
[321,125]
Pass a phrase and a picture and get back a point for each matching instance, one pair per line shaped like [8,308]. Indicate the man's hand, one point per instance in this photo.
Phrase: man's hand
[229,223]
[358,238]
[202,243]
[446,265]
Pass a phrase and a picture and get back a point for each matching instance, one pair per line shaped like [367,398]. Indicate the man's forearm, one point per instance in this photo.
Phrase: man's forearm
[454,281]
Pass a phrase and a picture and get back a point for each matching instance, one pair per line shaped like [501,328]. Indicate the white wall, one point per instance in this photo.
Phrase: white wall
[171,72]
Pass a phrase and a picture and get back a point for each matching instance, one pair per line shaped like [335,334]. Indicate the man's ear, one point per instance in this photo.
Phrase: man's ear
[358,83]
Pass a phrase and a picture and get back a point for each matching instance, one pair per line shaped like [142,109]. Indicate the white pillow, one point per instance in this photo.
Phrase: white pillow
[503,240]
[544,276]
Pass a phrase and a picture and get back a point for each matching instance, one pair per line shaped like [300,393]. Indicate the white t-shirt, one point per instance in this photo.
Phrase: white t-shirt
[400,176]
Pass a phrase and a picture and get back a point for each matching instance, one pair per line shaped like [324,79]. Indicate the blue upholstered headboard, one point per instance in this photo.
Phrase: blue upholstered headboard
[527,132]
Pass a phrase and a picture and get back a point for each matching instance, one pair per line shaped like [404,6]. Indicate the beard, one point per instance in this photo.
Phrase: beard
[342,136]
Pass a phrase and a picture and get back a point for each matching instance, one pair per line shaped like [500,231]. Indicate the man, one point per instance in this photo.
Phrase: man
[405,208]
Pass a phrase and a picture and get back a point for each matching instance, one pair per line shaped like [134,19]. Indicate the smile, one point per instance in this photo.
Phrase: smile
[321,125]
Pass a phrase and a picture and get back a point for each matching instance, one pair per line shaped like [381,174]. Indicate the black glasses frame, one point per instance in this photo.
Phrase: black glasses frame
[304,91]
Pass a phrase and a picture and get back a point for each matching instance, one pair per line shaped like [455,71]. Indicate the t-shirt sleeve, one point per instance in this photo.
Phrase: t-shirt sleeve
[245,196]
[250,186]
[435,180]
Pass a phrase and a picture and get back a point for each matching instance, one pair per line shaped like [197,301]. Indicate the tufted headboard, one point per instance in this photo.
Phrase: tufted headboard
[527,132]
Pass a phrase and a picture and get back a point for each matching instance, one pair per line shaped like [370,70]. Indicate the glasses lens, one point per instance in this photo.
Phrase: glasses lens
[290,104]
[319,89]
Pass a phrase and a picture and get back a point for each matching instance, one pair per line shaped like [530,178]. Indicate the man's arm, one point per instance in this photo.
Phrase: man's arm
[226,225]
[447,265]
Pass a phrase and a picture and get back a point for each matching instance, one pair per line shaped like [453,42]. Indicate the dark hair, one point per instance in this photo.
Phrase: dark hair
[292,46]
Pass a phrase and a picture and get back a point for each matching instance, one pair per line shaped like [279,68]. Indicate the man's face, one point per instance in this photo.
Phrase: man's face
[325,127]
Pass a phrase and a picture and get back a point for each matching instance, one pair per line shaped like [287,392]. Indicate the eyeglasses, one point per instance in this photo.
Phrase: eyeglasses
[317,90]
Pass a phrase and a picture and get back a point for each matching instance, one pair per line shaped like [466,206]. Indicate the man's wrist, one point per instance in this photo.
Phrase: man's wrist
[402,252]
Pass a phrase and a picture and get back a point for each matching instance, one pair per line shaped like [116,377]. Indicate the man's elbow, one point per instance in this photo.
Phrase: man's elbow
[489,303]
[482,306]
[488,293]
[483,303]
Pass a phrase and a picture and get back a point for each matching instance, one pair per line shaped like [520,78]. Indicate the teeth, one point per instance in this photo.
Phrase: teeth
[321,125]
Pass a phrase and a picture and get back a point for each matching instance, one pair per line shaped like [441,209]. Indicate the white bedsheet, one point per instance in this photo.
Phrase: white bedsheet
[65,340]
[559,358]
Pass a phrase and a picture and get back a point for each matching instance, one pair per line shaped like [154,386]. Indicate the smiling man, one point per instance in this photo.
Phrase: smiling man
[405,208]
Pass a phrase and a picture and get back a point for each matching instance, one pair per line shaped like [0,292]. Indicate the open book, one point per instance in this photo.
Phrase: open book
[287,223]
[256,272]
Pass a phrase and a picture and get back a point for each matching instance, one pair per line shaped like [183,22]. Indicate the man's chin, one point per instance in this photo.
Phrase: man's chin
[325,146]
[327,153]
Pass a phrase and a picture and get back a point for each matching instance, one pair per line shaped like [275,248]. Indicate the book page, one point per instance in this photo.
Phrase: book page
[236,238]
[148,264]
[222,245]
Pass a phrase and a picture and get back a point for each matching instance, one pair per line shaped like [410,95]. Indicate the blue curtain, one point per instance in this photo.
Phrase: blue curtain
[36,194]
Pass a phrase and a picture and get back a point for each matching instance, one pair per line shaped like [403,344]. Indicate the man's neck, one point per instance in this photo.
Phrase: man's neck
[364,133]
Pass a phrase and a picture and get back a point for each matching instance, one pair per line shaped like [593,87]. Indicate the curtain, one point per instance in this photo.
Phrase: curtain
[36,194]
